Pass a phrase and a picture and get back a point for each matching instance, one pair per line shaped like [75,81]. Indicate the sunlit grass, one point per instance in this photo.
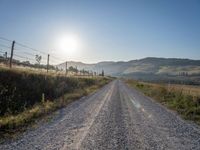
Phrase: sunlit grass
[13,119]
[183,99]
[11,124]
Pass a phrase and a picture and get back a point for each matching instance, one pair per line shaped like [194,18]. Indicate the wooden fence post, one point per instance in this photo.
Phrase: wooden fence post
[48,63]
[66,67]
[11,54]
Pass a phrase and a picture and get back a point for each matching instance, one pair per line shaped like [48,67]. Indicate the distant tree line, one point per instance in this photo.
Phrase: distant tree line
[84,72]
[4,59]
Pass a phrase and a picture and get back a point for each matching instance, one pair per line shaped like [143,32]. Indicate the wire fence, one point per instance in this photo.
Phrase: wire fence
[14,54]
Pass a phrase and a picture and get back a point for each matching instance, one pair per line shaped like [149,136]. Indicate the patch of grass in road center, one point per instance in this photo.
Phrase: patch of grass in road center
[186,103]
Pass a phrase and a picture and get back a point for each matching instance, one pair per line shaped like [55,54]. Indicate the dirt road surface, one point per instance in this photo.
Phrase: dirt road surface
[115,117]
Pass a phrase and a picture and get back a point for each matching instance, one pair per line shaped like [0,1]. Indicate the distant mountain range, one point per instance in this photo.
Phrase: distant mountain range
[147,68]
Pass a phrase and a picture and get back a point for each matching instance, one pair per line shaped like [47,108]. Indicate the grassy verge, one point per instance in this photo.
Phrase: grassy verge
[184,102]
[14,123]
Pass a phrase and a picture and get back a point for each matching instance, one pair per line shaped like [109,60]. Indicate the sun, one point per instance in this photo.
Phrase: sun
[68,44]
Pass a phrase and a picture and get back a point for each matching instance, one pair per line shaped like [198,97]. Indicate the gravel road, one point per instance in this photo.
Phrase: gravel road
[116,117]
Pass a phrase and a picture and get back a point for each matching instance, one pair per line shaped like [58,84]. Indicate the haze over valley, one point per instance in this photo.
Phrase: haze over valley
[149,69]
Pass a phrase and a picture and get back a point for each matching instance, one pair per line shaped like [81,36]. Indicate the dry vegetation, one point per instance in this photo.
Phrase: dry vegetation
[184,99]
[186,89]
[192,90]
[26,95]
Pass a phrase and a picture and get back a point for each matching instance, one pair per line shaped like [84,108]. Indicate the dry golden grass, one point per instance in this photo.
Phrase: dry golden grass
[9,122]
[185,89]
[42,71]
[184,99]
[14,124]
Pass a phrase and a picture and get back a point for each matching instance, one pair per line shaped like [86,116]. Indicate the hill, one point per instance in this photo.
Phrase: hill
[148,69]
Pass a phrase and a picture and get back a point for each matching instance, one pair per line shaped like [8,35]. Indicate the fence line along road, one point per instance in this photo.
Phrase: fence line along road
[16,54]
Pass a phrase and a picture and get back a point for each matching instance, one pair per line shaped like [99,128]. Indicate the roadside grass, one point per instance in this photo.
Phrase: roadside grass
[20,90]
[12,125]
[175,97]
[26,96]
[187,89]
[15,121]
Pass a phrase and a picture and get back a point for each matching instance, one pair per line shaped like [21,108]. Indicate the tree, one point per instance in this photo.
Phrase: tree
[5,55]
[26,62]
[73,69]
[38,59]
[102,73]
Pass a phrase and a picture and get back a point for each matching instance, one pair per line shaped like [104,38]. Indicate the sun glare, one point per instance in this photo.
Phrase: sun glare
[68,44]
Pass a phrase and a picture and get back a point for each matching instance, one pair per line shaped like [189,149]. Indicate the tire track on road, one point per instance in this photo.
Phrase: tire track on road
[84,130]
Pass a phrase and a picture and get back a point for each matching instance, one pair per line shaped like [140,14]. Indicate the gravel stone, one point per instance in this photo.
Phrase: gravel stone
[116,117]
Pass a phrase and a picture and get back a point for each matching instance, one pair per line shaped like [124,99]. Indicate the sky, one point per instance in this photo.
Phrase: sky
[104,30]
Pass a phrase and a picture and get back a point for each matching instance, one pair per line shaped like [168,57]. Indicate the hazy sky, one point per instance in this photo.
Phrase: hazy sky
[105,29]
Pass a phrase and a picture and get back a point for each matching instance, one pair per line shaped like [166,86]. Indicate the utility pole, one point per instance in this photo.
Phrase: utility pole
[11,54]
[48,63]
[66,67]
